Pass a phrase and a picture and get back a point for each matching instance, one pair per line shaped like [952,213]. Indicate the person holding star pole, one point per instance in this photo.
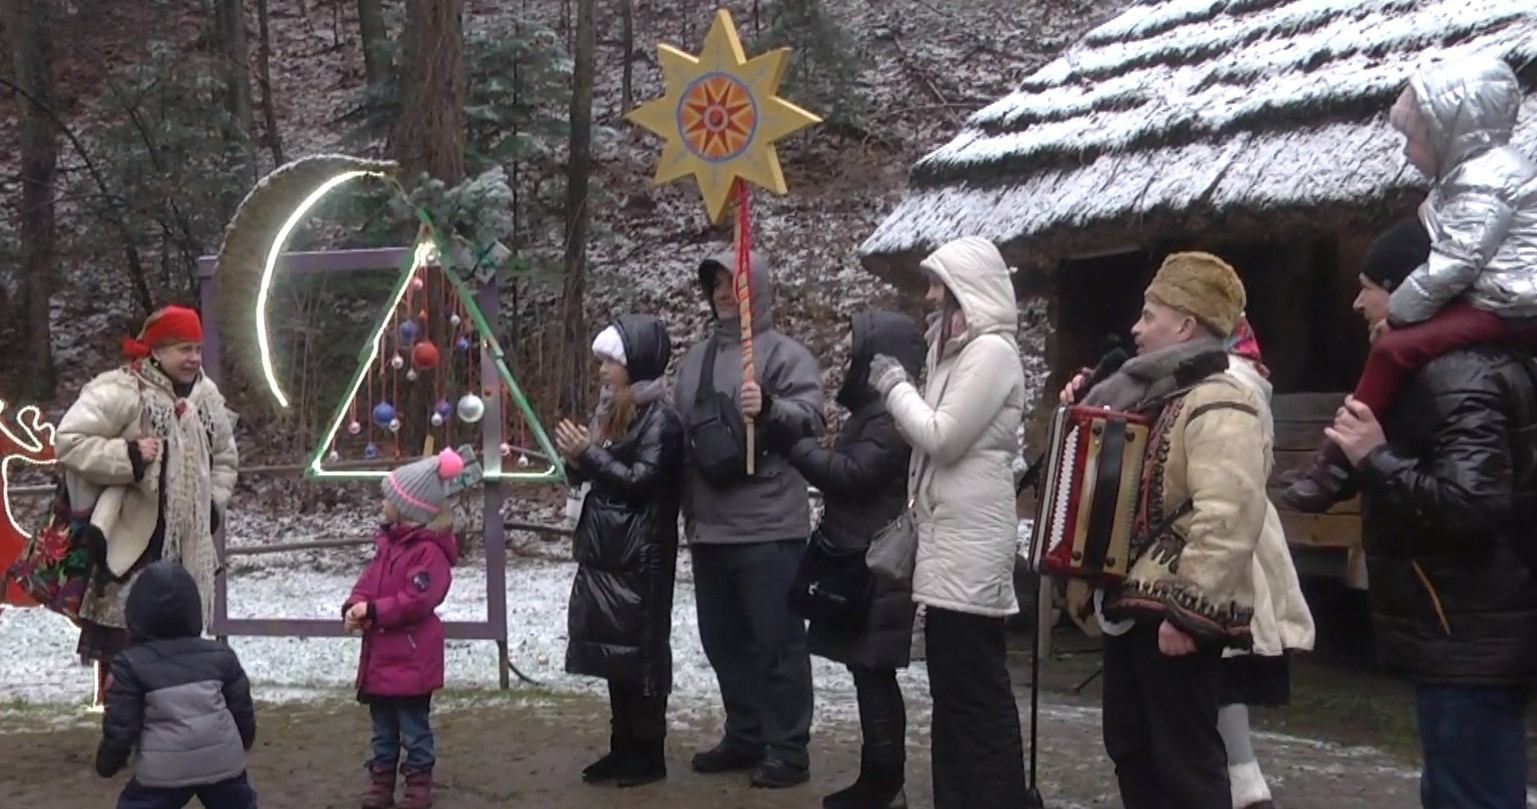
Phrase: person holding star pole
[746,510]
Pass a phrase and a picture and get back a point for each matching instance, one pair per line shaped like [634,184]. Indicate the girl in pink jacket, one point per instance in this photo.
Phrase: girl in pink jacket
[392,605]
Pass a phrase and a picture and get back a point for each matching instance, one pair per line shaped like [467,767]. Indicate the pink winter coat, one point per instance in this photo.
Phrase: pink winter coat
[403,638]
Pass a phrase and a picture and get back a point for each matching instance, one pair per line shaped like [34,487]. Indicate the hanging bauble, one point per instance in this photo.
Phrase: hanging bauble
[370,451]
[383,412]
[523,461]
[443,408]
[333,456]
[417,282]
[411,375]
[425,356]
[506,449]
[437,419]
[397,362]
[354,428]
[421,314]
[463,344]
[409,331]
[472,408]
[454,320]
[394,425]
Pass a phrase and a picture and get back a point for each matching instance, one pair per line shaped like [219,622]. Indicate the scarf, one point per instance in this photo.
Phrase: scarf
[1246,345]
[644,393]
[1148,377]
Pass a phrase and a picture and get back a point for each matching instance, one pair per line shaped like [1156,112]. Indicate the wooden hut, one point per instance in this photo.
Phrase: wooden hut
[1256,129]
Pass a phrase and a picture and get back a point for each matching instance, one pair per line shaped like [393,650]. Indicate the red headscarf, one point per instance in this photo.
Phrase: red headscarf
[167,326]
[1246,345]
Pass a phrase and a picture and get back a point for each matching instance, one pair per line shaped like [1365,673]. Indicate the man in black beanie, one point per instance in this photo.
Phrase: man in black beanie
[1448,482]
[1388,261]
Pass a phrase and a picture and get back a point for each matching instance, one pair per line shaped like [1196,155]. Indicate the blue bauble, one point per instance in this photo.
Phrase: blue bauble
[443,408]
[383,413]
[370,452]
[463,344]
[409,331]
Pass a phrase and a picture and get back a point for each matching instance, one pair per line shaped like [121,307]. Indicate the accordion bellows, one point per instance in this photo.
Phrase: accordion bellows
[1092,484]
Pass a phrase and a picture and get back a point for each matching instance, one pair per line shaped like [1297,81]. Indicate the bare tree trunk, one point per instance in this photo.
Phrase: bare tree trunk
[376,38]
[31,46]
[429,134]
[574,359]
[237,65]
[627,93]
[264,75]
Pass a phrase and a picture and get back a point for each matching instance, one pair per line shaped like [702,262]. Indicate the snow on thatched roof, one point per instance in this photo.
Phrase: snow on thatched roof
[1183,111]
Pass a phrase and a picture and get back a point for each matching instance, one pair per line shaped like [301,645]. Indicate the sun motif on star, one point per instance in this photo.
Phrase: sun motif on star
[721,116]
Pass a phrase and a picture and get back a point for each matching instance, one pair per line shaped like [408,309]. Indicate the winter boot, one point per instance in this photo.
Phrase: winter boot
[721,758]
[606,768]
[1324,482]
[885,776]
[854,796]
[418,794]
[643,763]
[380,793]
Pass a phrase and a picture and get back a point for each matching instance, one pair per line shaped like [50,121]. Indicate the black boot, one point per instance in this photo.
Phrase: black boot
[606,768]
[854,796]
[1325,481]
[643,763]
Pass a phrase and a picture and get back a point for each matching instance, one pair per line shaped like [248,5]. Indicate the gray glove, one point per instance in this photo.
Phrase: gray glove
[885,374]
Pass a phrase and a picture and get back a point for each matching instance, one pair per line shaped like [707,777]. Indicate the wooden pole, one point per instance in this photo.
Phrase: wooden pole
[742,275]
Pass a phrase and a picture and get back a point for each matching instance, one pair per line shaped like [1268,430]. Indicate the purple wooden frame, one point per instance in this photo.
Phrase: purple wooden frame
[494,628]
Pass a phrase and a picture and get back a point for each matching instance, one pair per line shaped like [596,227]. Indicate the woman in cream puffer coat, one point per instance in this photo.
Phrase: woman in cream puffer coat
[962,431]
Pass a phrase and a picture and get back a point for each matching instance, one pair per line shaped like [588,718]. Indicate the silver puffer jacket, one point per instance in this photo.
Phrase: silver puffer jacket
[1482,211]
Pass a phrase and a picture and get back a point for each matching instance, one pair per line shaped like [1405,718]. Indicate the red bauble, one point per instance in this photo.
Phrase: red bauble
[424,356]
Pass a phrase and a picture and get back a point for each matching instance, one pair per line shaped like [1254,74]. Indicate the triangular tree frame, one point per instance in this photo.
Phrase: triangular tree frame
[492,462]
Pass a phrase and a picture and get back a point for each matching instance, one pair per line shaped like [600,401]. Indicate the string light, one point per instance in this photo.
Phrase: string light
[264,290]
[33,448]
[427,255]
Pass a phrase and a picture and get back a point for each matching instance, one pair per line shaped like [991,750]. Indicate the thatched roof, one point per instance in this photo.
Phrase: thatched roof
[1179,116]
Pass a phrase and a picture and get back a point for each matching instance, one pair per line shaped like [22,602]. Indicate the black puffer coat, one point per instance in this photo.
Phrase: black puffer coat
[863,480]
[626,544]
[1449,511]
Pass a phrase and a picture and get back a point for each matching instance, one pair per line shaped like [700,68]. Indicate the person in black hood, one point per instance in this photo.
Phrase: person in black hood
[183,701]
[626,545]
[863,480]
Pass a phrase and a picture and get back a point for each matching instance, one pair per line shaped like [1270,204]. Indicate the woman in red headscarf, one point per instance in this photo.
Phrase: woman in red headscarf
[148,452]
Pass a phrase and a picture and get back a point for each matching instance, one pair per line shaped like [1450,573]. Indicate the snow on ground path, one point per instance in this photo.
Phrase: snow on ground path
[39,669]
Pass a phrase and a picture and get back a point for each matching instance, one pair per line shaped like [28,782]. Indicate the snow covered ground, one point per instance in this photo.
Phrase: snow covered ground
[40,666]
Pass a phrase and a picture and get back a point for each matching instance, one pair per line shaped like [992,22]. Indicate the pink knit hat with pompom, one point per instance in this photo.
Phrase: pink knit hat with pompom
[419,490]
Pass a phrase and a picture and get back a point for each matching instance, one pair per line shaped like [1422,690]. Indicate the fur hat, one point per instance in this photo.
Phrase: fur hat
[1202,286]
[419,490]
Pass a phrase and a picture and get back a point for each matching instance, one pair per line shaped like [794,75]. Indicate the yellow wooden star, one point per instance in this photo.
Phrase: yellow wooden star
[721,116]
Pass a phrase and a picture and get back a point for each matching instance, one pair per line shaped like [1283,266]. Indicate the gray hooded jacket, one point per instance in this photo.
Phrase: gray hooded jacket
[771,505]
[1482,211]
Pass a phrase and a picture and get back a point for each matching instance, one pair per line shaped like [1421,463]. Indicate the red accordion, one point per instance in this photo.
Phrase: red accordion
[1089,494]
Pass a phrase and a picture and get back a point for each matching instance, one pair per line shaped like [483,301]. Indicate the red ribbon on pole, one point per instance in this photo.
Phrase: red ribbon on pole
[742,283]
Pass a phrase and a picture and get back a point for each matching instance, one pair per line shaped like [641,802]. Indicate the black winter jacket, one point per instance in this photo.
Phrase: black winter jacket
[863,480]
[626,545]
[1449,513]
[183,701]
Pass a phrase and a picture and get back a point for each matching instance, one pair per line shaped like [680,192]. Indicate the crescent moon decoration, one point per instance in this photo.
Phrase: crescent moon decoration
[254,242]
[721,116]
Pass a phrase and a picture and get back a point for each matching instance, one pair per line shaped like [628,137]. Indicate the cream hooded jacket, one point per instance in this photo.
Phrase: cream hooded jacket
[962,431]
[1282,621]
